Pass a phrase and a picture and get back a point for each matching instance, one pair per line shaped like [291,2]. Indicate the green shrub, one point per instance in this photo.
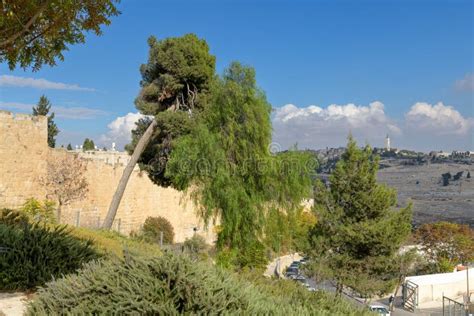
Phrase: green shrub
[11,217]
[154,226]
[171,285]
[32,254]
[196,244]
[40,211]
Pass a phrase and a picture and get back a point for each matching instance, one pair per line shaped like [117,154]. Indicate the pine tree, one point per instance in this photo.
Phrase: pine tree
[88,145]
[358,234]
[69,147]
[42,108]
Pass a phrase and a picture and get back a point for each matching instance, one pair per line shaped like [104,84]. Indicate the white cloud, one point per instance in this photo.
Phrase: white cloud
[316,127]
[120,130]
[466,83]
[75,113]
[14,81]
[437,119]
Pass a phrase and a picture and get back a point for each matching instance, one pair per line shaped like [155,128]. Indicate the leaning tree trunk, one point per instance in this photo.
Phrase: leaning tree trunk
[142,143]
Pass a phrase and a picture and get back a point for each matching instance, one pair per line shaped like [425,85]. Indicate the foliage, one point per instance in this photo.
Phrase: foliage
[196,244]
[88,145]
[154,226]
[227,165]
[112,244]
[12,218]
[287,232]
[358,234]
[303,223]
[42,108]
[69,147]
[40,211]
[172,285]
[33,254]
[65,181]
[178,68]
[175,79]
[446,244]
[37,32]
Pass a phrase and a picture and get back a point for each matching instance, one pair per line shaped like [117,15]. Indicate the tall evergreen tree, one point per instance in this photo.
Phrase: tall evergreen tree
[88,145]
[358,234]
[69,146]
[42,108]
[178,72]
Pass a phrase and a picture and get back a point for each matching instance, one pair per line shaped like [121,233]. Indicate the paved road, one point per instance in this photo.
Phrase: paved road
[398,310]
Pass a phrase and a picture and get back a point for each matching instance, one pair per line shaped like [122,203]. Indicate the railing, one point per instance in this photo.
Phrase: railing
[454,308]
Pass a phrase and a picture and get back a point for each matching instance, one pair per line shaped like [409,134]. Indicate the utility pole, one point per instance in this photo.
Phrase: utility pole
[467,284]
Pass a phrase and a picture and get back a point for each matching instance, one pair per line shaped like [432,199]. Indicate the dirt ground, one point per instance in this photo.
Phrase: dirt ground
[422,184]
[13,304]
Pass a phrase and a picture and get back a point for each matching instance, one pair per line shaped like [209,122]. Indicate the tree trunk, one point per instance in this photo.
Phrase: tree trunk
[401,279]
[142,143]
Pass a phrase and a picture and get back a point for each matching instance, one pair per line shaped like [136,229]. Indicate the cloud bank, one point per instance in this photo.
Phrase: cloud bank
[465,84]
[424,126]
[316,127]
[43,84]
[119,130]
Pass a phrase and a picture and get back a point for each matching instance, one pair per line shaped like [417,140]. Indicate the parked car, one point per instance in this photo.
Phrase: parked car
[304,260]
[295,264]
[292,270]
[300,278]
[291,276]
[380,309]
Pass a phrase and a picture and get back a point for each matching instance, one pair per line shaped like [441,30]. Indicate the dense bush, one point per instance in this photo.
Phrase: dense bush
[170,285]
[31,255]
[40,211]
[154,226]
[195,245]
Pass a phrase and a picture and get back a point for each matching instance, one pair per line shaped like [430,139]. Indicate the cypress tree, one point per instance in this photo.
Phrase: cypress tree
[358,234]
[42,108]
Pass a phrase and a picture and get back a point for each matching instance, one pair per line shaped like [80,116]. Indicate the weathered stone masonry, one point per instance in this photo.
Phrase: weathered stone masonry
[23,157]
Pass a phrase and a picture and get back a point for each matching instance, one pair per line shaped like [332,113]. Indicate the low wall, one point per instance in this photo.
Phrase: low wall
[432,287]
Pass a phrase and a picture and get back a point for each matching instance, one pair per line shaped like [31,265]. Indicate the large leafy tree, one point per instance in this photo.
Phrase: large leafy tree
[446,244]
[42,108]
[174,83]
[36,32]
[358,234]
[226,163]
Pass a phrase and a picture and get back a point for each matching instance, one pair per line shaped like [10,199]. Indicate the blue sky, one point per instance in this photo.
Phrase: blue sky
[321,53]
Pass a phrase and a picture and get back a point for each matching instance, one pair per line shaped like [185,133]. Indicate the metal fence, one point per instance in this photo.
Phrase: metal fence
[454,308]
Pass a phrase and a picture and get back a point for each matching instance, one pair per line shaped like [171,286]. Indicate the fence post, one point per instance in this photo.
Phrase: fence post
[78,217]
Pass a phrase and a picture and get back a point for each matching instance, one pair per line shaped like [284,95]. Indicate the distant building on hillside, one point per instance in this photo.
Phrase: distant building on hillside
[387,143]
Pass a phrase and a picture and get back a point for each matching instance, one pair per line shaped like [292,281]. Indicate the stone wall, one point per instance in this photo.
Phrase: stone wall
[23,157]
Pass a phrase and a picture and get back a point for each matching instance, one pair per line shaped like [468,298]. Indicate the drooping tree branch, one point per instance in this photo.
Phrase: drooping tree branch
[26,27]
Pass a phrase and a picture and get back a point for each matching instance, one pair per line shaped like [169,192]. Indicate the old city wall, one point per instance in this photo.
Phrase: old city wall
[23,159]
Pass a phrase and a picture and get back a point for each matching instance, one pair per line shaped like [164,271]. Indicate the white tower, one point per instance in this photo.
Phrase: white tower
[387,143]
